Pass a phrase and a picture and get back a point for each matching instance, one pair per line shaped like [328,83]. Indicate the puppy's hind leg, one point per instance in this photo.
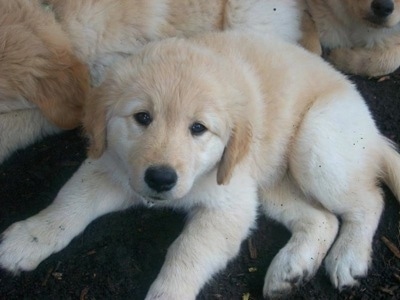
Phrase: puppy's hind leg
[350,255]
[336,160]
[313,231]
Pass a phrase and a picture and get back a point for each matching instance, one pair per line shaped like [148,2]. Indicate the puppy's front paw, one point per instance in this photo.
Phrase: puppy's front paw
[292,266]
[23,246]
[346,262]
[166,292]
[346,61]
[359,62]
[365,62]
[170,286]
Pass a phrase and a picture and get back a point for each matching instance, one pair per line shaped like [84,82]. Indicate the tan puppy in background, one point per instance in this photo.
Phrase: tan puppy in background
[42,83]
[213,125]
[359,36]
[103,31]
[47,43]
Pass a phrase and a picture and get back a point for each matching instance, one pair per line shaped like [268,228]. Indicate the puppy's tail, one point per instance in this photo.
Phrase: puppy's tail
[391,168]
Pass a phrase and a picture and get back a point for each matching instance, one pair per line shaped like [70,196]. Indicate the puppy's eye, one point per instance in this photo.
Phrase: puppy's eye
[197,129]
[143,118]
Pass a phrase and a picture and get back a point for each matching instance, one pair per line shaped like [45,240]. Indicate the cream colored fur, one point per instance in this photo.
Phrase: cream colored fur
[217,125]
[103,31]
[65,34]
[356,40]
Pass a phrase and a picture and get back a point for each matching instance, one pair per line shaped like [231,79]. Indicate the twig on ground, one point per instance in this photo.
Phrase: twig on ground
[252,249]
[392,247]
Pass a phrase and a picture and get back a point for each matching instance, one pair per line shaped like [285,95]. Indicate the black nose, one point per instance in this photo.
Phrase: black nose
[160,178]
[382,8]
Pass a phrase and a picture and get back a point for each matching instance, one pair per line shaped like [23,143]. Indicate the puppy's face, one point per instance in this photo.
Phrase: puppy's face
[169,121]
[377,13]
[165,138]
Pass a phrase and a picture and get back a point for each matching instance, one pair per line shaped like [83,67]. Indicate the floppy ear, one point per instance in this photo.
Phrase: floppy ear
[238,146]
[62,91]
[94,124]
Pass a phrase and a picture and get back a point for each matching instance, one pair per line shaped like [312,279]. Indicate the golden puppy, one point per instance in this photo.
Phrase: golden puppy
[40,77]
[360,37]
[216,125]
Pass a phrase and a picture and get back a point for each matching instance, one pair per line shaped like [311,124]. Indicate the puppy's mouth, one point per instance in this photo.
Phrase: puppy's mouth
[152,200]
[149,196]
[156,198]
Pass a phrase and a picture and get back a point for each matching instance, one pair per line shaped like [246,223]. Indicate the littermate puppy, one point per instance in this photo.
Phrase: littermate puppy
[360,37]
[42,83]
[218,125]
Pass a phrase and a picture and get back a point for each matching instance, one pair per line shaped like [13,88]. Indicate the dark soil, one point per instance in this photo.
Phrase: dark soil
[119,255]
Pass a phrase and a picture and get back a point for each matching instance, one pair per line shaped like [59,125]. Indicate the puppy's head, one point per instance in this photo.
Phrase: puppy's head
[172,116]
[37,63]
[376,13]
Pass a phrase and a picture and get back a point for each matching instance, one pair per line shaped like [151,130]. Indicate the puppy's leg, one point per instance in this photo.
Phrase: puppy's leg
[313,231]
[89,194]
[350,255]
[336,161]
[211,237]
[21,128]
[366,62]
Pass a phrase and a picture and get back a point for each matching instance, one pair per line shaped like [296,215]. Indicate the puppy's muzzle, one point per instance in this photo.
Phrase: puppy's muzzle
[160,178]
[382,8]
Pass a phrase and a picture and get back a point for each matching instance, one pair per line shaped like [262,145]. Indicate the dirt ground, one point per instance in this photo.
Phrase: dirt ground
[119,255]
